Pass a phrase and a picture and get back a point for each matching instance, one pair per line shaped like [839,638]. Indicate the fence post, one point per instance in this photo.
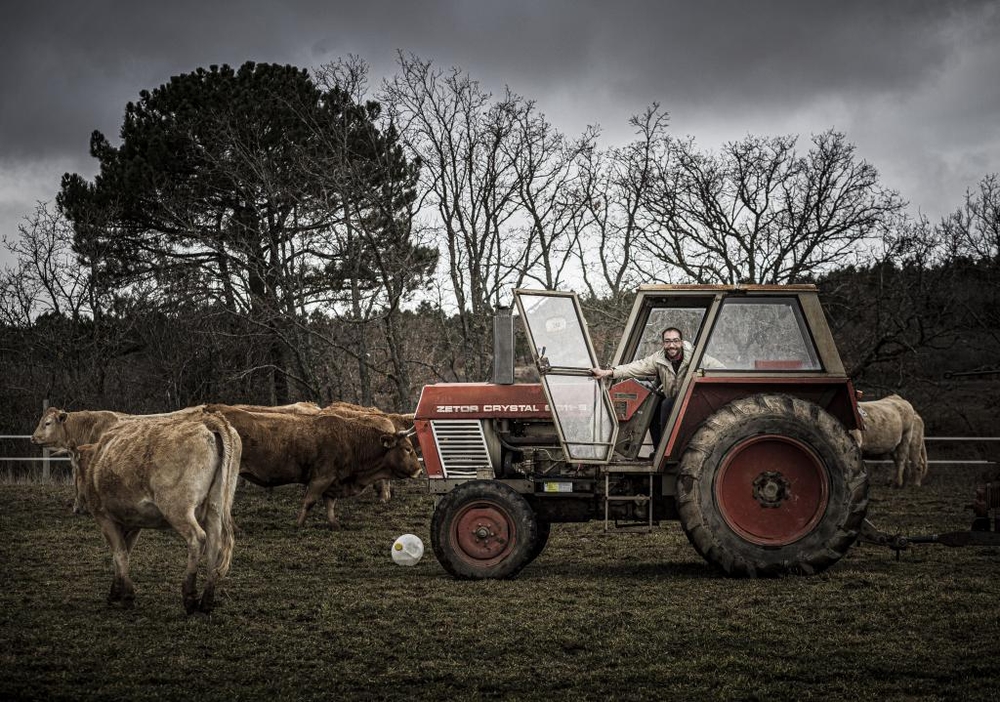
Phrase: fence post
[46,463]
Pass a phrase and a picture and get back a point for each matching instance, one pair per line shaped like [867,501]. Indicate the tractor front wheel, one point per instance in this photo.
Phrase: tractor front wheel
[772,484]
[484,529]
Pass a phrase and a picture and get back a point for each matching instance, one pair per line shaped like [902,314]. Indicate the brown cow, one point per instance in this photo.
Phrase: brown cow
[64,431]
[332,456]
[346,409]
[893,427]
[164,473]
[402,422]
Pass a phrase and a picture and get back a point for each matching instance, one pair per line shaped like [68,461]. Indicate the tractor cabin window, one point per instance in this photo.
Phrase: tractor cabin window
[763,334]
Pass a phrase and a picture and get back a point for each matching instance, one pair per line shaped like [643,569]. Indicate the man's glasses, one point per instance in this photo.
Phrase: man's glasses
[673,341]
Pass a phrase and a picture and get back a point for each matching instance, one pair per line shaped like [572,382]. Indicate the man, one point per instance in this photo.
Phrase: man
[670,365]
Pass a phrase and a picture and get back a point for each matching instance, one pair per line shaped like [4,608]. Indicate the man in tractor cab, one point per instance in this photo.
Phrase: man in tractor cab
[669,366]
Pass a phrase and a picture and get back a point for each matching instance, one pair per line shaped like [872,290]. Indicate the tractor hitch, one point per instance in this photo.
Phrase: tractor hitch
[871,534]
[959,538]
[979,535]
[985,529]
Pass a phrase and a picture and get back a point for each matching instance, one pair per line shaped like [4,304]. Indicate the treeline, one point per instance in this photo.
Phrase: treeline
[902,329]
[267,235]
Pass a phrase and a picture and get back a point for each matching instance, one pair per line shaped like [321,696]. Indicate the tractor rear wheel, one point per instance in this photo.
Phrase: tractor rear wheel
[772,484]
[484,529]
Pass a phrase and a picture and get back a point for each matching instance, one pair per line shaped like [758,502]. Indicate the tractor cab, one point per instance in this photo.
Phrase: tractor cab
[758,335]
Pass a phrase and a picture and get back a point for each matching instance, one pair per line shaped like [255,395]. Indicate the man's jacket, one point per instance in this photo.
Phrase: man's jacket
[657,365]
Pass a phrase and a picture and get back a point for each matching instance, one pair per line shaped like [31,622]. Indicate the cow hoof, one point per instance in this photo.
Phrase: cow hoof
[207,603]
[334,525]
[190,605]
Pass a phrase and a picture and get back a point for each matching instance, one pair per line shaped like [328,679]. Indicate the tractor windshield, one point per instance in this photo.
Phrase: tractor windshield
[763,334]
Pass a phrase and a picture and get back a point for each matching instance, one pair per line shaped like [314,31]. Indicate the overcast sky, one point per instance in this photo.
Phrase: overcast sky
[913,83]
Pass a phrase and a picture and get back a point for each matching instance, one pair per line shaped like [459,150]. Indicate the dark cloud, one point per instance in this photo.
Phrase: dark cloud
[912,82]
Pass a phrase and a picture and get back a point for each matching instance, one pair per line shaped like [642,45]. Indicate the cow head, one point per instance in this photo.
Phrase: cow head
[51,429]
[400,457]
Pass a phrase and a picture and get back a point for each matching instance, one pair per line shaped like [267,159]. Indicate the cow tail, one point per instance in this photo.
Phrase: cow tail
[224,488]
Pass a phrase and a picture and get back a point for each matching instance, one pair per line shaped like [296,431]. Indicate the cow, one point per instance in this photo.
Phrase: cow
[64,431]
[294,408]
[402,422]
[333,456]
[383,487]
[175,473]
[893,427]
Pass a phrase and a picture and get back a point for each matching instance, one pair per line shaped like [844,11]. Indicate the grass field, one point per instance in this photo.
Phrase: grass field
[315,614]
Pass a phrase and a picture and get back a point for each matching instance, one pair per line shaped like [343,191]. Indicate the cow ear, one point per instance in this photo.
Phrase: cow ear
[62,416]
[389,440]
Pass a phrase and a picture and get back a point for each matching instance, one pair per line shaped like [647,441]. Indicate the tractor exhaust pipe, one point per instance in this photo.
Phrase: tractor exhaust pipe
[503,346]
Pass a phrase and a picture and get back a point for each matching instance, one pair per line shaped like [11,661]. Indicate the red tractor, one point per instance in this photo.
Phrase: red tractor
[755,460]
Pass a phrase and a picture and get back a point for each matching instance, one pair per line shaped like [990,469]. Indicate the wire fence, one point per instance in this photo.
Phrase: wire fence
[27,466]
[53,464]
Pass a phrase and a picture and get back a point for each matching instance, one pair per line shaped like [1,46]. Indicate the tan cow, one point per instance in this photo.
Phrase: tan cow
[402,422]
[64,431]
[893,427]
[294,408]
[333,456]
[175,473]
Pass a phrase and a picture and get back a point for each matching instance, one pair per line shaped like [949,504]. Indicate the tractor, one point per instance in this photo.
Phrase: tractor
[755,460]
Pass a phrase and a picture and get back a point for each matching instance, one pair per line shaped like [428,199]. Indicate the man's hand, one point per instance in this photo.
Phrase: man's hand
[600,372]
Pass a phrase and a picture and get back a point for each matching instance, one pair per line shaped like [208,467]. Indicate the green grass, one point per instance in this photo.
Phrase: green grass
[315,614]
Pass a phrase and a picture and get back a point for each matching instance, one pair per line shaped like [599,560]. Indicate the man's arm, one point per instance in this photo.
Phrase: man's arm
[644,367]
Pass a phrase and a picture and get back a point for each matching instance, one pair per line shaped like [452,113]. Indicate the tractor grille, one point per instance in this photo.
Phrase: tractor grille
[462,447]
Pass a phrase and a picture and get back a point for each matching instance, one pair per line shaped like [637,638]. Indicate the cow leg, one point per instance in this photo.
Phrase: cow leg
[921,460]
[79,502]
[194,536]
[899,461]
[131,536]
[384,490]
[331,517]
[314,491]
[122,589]
[218,551]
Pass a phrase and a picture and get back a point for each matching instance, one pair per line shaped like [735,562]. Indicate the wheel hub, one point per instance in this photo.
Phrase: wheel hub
[770,488]
[483,533]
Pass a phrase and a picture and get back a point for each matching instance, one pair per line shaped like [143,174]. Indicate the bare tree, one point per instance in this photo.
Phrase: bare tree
[381,251]
[47,278]
[758,212]
[615,189]
[548,178]
[973,230]
[469,146]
